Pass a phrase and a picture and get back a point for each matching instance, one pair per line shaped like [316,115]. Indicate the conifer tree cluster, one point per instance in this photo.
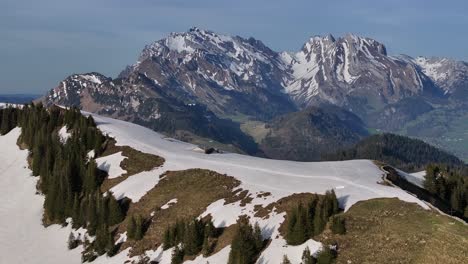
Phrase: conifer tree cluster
[324,256]
[246,244]
[193,235]
[307,257]
[68,179]
[135,227]
[8,119]
[337,225]
[305,221]
[450,184]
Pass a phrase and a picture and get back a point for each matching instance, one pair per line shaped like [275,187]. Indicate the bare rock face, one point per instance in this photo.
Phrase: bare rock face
[230,75]
[350,71]
[450,75]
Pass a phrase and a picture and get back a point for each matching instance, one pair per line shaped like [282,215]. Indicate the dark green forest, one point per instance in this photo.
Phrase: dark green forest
[402,152]
[69,180]
[450,184]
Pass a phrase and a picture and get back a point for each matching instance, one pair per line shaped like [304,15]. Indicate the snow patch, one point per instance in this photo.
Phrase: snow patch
[111,165]
[64,134]
[169,204]
[92,78]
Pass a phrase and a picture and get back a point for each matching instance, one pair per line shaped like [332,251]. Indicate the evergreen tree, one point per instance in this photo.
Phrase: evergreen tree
[319,223]
[325,256]
[131,228]
[5,125]
[76,216]
[177,255]
[244,247]
[72,241]
[207,247]
[168,238]
[193,237]
[258,238]
[338,225]
[285,260]
[91,181]
[139,227]
[115,212]
[298,229]
[307,257]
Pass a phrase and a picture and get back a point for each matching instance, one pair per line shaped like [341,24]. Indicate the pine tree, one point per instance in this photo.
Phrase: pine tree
[193,238]
[244,248]
[207,247]
[4,128]
[285,260]
[131,228]
[72,241]
[168,238]
[338,225]
[325,256]
[307,257]
[319,223]
[298,231]
[115,212]
[177,255]
[76,216]
[139,227]
[91,182]
[258,238]
[210,230]
[92,219]
[334,202]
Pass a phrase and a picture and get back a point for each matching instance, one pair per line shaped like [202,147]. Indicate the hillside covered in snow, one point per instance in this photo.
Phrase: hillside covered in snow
[162,181]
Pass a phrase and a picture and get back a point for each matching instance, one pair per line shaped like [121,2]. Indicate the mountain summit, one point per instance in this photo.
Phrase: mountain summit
[194,81]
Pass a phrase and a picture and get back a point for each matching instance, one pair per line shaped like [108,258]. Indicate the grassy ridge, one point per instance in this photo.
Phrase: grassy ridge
[393,231]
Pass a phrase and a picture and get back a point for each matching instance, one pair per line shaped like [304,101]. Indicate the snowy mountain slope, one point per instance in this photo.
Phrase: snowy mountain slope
[187,84]
[450,75]
[234,75]
[229,74]
[353,180]
[138,99]
[23,239]
[333,70]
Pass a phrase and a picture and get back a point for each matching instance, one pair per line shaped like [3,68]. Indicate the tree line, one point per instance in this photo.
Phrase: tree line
[405,153]
[68,178]
[450,183]
[305,221]
[190,238]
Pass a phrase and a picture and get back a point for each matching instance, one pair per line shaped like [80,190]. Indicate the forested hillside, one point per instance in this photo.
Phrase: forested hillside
[69,179]
[450,184]
[399,151]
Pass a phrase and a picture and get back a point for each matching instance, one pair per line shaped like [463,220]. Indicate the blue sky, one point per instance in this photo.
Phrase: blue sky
[42,42]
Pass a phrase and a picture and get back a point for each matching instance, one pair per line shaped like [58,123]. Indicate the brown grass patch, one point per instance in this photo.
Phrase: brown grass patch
[135,163]
[194,189]
[393,231]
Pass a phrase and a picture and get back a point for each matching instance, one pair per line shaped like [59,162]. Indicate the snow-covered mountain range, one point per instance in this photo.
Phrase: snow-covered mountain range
[231,74]
[230,77]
